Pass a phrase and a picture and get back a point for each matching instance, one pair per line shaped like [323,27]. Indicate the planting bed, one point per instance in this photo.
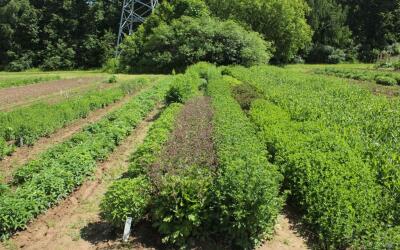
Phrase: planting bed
[25,125]
[229,148]
[45,181]
[20,95]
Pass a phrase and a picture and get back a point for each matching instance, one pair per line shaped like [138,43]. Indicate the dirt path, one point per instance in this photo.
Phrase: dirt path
[24,154]
[10,97]
[75,223]
[286,237]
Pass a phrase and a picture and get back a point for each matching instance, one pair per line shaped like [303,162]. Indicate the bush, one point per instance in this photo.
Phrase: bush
[5,149]
[111,66]
[112,79]
[396,65]
[187,85]
[126,198]
[245,198]
[385,80]
[190,40]
[21,64]
[245,94]
[325,54]
[327,180]
[179,209]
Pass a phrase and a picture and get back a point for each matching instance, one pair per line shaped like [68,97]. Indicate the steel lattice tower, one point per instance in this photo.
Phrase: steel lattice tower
[133,12]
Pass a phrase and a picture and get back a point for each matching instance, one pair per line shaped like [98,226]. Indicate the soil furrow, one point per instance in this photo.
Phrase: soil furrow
[22,155]
[11,97]
[71,224]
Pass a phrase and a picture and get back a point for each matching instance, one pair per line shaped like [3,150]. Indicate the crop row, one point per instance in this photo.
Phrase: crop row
[356,132]
[237,203]
[19,81]
[45,181]
[27,124]
[328,181]
[245,194]
[382,77]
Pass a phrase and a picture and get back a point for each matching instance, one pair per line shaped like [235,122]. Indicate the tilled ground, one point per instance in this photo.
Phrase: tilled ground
[10,97]
[26,153]
[75,223]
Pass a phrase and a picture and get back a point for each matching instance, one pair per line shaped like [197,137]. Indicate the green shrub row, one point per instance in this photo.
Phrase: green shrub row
[237,205]
[19,81]
[187,85]
[245,198]
[368,124]
[178,198]
[383,78]
[43,182]
[27,124]
[132,196]
[329,183]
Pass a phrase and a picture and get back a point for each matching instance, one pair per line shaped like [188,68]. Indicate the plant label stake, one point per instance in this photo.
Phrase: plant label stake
[127,229]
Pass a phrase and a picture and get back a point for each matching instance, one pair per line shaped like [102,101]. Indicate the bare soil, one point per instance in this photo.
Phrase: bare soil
[23,154]
[75,223]
[287,237]
[10,97]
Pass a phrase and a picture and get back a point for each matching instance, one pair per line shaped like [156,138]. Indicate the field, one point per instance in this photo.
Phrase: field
[300,157]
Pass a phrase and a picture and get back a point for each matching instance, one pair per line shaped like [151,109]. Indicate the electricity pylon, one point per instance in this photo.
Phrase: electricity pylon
[133,12]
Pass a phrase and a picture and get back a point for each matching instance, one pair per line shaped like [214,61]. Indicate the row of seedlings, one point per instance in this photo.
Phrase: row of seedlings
[25,125]
[45,181]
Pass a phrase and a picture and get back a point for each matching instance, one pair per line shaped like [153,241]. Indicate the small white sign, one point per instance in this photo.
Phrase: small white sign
[127,230]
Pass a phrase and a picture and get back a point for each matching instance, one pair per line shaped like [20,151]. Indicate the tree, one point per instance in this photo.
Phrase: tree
[182,32]
[374,23]
[280,21]
[55,34]
[18,34]
[328,19]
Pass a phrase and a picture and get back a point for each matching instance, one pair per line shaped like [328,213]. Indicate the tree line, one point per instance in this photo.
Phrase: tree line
[68,34]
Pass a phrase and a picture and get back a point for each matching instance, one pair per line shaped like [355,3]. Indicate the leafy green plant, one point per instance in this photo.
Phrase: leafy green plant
[112,79]
[385,80]
[245,197]
[182,33]
[323,130]
[245,94]
[126,198]
[179,208]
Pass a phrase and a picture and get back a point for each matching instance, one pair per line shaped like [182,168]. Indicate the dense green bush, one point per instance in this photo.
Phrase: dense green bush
[362,130]
[325,54]
[396,65]
[281,22]
[328,181]
[179,40]
[126,198]
[180,207]
[245,198]
[5,149]
[245,94]
[385,80]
